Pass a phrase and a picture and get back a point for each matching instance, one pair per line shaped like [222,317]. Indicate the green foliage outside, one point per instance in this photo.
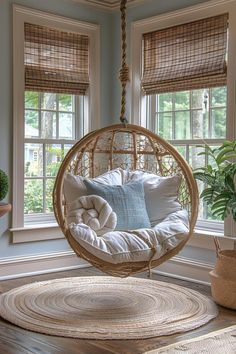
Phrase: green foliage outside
[4,185]
[219,178]
[174,122]
[33,197]
[36,187]
[174,114]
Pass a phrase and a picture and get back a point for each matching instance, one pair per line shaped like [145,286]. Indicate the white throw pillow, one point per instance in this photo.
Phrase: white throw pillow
[74,186]
[161,194]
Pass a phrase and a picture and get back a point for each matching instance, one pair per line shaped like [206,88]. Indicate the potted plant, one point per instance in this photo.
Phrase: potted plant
[4,186]
[219,177]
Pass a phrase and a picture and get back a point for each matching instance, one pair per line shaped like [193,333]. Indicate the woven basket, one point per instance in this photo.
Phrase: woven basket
[223,278]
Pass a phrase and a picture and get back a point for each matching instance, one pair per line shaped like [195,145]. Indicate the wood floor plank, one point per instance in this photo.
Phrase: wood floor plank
[15,340]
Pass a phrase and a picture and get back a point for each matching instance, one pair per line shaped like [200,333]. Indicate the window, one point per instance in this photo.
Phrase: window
[188,119]
[56,73]
[171,98]
[50,131]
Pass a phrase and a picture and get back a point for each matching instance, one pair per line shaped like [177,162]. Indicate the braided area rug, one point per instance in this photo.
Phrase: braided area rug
[106,308]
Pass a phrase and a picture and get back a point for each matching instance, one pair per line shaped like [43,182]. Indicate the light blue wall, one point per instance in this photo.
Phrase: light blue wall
[109,86]
[67,8]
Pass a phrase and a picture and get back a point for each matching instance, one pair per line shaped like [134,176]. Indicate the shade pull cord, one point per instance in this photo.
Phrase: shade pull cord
[124,71]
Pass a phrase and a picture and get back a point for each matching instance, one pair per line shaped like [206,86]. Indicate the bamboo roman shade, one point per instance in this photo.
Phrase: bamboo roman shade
[186,57]
[55,61]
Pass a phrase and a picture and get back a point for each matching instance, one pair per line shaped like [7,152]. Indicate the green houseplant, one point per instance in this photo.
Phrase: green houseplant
[4,187]
[219,177]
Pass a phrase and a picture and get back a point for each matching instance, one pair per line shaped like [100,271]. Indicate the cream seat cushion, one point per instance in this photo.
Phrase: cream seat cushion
[137,245]
[169,222]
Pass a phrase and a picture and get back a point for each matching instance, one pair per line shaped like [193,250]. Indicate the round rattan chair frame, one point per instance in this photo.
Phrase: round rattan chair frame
[129,147]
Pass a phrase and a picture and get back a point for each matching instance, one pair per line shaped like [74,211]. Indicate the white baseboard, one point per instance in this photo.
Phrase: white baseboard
[24,266]
[177,267]
[186,269]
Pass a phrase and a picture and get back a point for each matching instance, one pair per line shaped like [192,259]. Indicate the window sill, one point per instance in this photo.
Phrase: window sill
[204,239]
[209,233]
[36,233]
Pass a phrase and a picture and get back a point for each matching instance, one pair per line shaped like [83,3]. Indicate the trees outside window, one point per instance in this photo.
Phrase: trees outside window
[49,134]
[189,119]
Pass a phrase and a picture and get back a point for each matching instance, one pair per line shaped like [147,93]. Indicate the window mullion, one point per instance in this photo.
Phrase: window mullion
[57,116]
[173,117]
[187,152]
[44,178]
[210,114]
[148,116]
[79,120]
[40,114]
[154,108]
[191,113]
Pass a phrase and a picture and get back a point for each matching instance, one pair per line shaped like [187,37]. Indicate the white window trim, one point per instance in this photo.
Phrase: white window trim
[20,16]
[192,13]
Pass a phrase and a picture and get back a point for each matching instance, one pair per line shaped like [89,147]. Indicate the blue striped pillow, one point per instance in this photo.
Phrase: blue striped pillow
[127,201]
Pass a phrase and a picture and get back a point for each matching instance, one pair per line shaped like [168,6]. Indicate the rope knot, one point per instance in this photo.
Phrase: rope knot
[124,74]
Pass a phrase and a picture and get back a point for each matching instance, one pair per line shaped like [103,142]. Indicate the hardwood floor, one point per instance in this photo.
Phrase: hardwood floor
[14,340]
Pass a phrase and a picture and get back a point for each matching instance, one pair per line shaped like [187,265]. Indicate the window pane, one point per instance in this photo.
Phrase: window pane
[165,125]
[219,96]
[53,159]
[182,100]
[189,115]
[31,124]
[202,212]
[47,116]
[48,101]
[66,148]
[66,103]
[49,190]
[66,126]
[33,196]
[48,125]
[200,124]
[165,102]
[200,98]
[194,160]
[182,150]
[31,99]
[33,160]
[219,123]
[182,125]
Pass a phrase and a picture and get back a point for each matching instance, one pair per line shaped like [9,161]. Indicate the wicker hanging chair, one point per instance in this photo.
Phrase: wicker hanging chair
[129,147]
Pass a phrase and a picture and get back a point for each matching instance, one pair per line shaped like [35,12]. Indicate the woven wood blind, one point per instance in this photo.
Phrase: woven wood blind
[186,57]
[55,61]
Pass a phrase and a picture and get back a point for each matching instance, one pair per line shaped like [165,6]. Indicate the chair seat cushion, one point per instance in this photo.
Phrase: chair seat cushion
[133,246]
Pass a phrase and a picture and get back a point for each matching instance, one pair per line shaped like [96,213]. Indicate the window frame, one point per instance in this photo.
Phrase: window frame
[48,230]
[45,218]
[138,106]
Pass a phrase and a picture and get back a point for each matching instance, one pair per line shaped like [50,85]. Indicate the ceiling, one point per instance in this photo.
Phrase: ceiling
[109,4]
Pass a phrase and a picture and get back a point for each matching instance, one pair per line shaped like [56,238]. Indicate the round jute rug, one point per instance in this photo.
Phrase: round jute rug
[106,308]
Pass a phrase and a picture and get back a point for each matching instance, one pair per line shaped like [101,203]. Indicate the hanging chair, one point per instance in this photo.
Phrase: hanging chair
[131,148]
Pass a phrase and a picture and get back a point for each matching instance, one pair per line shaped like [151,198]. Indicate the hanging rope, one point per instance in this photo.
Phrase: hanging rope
[124,71]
